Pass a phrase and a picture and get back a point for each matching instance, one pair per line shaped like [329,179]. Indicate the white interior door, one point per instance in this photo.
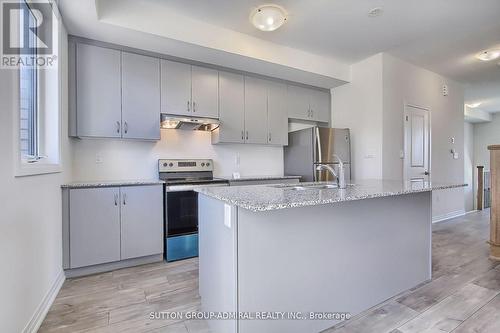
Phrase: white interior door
[417,144]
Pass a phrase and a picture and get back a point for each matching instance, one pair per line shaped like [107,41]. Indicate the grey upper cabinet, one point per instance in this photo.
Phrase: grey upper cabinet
[98,87]
[140,97]
[175,88]
[255,110]
[277,119]
[308,104]
[320,105]
[298,103]
[231,109]
[205,92]
[141,221]
[94,226]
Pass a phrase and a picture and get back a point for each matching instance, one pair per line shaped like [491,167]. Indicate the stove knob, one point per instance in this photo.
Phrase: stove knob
[208,164]
[203,164]
[165,164]
[171,164]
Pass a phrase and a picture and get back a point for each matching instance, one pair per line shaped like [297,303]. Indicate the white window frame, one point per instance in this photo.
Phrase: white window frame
[49,118]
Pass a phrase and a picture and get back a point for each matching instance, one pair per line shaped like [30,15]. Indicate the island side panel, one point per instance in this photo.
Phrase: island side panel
[344,257]
[217,261]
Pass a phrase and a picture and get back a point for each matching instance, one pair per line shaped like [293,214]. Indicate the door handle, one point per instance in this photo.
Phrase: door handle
[125,127]
[118,127]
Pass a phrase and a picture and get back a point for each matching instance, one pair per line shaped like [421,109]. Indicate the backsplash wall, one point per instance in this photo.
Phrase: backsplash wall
[109,159]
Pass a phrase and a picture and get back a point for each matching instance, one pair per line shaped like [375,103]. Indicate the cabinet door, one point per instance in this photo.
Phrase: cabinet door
[141,221]
[320,105]
[94,229]
[231,109]
[205,92]
[255,110]
[140,97]
[277,115]
[298,103]
[98,90]
[175,88]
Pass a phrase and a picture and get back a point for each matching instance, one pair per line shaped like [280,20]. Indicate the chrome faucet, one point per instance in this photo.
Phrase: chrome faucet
[340,176]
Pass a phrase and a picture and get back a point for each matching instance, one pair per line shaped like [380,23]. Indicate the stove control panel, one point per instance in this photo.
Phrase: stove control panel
[177,165]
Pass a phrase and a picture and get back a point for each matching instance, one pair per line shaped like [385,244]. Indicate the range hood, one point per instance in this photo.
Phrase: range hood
[188,123]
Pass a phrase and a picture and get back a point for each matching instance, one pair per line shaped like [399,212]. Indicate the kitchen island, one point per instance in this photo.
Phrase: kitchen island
[299,258]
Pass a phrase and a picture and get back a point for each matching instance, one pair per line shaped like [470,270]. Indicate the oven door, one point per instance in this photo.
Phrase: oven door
[181,213]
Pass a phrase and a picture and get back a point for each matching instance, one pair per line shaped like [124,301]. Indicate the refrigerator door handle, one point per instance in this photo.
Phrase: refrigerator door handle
[318,144]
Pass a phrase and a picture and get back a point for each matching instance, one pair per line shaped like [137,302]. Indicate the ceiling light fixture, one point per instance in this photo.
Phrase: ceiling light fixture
[268,17]
[374,12]
[489,55]
[473,105]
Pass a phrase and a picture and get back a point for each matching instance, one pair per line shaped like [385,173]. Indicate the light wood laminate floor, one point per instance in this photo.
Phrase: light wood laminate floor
[463,296]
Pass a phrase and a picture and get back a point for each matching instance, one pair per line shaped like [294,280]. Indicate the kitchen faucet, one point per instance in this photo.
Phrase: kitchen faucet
[341,175]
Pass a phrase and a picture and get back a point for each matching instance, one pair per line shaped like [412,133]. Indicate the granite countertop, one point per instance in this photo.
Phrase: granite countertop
[113,183]
[272,197]
[250,178]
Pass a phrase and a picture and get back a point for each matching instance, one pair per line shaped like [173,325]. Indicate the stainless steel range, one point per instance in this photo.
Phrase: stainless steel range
[181,203]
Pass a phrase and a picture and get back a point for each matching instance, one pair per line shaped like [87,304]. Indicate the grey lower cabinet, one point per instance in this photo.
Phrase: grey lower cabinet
[308,104]
[113,94]
[189,90]
[112,224]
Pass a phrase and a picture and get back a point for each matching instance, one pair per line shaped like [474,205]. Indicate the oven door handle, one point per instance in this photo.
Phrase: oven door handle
[181,188]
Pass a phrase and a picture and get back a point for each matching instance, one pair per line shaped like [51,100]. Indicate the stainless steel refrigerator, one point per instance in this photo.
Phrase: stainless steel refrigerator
[317,145]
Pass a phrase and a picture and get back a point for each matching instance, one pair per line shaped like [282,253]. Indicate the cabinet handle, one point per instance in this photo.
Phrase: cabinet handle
[247,135]
[269,136]
[189,106]
[116,199]
[125,127]
[312,113]
[118,127]
[194,106]
[124,199]
[242,135]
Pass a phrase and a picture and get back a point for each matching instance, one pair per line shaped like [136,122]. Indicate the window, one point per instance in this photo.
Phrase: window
[28,81]
[38,115]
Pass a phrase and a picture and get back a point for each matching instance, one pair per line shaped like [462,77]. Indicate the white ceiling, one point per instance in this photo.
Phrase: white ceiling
[441,35]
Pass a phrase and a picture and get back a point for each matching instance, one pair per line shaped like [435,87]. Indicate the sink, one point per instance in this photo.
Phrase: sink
[296,187]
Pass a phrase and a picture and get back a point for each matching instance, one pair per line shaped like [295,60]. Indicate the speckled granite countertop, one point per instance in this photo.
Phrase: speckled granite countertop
[272,197]
[250,178]
[113,183]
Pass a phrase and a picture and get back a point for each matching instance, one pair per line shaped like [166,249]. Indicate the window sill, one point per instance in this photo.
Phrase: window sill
[35,169]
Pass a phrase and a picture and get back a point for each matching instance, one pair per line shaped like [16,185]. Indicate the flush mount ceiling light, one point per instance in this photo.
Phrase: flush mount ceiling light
[374,12]
[489,55]
[473,105]
[268,17]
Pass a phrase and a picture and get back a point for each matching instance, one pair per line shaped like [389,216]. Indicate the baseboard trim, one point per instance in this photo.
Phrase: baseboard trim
[445,217]
[44,306]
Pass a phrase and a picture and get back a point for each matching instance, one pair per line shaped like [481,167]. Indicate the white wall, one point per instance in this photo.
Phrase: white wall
[372,105]
[405,83]
[486,134]
[358,106]
[30,218]
[469,167]
[123,159]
